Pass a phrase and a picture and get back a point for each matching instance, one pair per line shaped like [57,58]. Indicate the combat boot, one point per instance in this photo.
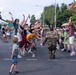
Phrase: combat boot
[53,54]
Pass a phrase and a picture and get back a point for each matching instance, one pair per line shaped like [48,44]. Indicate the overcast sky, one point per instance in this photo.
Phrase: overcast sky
[19,7]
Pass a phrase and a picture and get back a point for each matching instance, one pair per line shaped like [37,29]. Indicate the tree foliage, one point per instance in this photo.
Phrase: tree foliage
[48,15]
[32,19]
[62,15]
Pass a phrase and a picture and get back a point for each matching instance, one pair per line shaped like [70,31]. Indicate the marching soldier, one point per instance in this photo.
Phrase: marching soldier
[51,39]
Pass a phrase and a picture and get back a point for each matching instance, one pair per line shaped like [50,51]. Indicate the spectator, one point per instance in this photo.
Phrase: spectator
[15,22]
[66,41]
[7,33]
[14,56]
[19,42]
[71,37]
[61,39]
[16,25]
[3,34]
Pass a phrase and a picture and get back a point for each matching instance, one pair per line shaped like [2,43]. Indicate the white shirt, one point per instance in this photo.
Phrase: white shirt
[19,37]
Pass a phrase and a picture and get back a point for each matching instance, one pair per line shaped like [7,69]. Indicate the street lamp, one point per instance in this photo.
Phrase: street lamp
[55,13]
[43,12]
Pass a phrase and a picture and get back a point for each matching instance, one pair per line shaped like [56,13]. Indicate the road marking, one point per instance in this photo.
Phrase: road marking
[33,55]
[72,60]
[53,60]
[5,51]
[32,59]
[7,59]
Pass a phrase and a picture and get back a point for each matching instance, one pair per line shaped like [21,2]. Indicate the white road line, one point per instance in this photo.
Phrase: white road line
[5,51]
[33,55]
[7,59]
[53,60]
[32,59]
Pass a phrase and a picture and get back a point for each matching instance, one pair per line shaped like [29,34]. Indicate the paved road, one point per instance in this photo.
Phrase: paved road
[38,65]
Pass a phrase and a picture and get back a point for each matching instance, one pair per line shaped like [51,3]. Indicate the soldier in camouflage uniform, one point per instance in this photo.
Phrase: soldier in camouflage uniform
[51,39]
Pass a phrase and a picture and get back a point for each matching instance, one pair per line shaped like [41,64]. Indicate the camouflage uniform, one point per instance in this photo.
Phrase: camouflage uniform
[51,39]
[45,30]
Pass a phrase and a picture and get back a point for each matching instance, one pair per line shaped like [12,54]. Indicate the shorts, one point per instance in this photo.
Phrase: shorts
[7,33]
[19,43]
[23,42]
[71,40]
[14,61]
[33,40]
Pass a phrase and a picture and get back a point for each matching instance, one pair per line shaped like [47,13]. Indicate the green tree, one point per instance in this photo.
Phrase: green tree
[33,19]
[48,15]
[62,15]
[73,10]
[63,7]
[74,18]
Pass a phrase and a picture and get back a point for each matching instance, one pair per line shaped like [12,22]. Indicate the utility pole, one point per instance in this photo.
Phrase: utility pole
[55,13]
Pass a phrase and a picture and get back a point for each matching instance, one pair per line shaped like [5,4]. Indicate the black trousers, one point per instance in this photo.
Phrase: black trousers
[52,49]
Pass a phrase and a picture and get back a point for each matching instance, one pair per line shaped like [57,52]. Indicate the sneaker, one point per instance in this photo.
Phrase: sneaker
[30,51]
[10,73]
[34,48]
[26,51]
[23,53]
[68,51]
[19,56]
[17,72]
[57,47]
[72,53]
[62,50]
[41,44]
